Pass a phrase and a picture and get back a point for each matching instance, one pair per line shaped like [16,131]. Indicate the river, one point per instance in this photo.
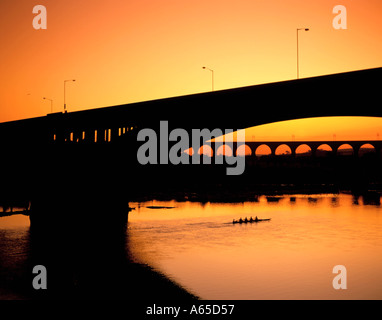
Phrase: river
[290,257]
[195,244]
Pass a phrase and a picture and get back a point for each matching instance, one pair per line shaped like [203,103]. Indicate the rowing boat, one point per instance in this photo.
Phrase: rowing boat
[249,221]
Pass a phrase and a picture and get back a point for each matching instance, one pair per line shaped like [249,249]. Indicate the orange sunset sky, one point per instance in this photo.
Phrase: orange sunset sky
[122,51]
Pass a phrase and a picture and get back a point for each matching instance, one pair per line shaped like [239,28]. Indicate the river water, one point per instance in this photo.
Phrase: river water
[292,256]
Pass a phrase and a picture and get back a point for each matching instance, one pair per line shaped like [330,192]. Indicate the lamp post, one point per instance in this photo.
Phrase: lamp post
[51,104]
[65,81]
[298,71]
[212,74]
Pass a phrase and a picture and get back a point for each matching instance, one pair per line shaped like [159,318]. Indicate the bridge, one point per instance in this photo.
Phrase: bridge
[67,160]
[345,94]
[330,148]
[79,170]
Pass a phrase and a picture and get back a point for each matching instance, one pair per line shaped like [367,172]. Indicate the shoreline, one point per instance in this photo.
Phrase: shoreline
[234,194]
[223,193]
[135,282]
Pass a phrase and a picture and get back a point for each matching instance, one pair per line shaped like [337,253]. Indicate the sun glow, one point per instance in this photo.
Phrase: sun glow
[127,51]
[314,129]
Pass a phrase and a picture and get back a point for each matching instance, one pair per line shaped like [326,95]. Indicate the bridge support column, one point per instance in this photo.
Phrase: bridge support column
[356,149]
[378,151]
[59,136]
[293,150]
[273,150]
[77,136]
[89,136]
[314,151]
[234,147]
[114,134]
[101,135]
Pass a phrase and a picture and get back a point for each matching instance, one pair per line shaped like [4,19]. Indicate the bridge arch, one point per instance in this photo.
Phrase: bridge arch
[224,150]
[345,150]
[206,150]
[366,149]
[324,150]
[303,150]
[263,150]
[244,151]
[283,150]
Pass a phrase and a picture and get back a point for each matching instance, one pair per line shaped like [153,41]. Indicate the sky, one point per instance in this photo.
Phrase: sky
[313,129]
[123,51]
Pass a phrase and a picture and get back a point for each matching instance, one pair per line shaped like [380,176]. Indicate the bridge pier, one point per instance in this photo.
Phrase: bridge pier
[89,136]
[100,135]
[273,150]
[314,150]
[378,151]
[78,221]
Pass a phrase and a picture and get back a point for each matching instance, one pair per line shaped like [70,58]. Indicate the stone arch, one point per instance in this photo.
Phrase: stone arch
[345,150]
[206,150]
[263,150]
[244,151]
[283,150]
[366,149]
[324,150]
[303,150]
[224,150]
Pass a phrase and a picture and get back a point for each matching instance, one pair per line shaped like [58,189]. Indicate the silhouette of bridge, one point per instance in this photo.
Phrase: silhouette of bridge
[79,169]
[249,149]
[66,160]
[345,94]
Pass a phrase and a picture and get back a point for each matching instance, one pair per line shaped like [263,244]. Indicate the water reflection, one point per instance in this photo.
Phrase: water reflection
[86,258]
[14,256]
[291,257]
[196,245]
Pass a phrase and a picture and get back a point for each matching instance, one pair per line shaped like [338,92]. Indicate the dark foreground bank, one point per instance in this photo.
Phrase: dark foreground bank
[84,261]
[135,282]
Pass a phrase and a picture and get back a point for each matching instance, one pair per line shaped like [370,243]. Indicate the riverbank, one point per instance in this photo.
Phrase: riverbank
[83,262]
[11,213]
[241,193]
[135,282]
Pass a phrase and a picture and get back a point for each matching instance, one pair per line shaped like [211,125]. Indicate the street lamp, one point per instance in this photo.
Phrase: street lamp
[65,81]
[298,71]
[212,73]
[51,104]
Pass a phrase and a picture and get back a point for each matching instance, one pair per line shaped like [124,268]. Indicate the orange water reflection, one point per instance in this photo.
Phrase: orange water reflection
[290,257]
[14,221]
